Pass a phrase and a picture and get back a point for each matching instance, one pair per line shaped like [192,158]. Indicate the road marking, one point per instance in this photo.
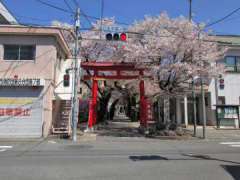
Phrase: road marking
[235,145]
[230,143]
[52,142]
[5,147]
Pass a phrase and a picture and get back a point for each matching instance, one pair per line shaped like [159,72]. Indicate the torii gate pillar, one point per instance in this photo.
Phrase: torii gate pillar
[92,118]
[143,122]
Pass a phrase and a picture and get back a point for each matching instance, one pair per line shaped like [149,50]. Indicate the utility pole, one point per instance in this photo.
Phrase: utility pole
[190,10]
[216,96]
[101,18]
[76,77]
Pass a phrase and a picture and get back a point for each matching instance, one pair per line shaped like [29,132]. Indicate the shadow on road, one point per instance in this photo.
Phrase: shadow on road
[147,158]
[206,157]
[189,157]
[234,171]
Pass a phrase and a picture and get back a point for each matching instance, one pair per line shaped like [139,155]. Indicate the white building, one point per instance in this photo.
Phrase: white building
[227,113]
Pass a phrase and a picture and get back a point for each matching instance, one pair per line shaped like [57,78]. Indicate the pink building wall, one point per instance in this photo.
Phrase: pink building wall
[44,67]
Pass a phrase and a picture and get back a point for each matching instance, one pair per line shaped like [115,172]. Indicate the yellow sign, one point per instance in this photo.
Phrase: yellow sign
[16,101]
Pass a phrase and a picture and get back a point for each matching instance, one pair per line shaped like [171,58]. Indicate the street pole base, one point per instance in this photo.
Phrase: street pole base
[89,130]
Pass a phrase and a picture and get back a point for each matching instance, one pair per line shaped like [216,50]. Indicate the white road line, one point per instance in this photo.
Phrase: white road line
[4,148]
[52,142]
[235,145]
[230,143]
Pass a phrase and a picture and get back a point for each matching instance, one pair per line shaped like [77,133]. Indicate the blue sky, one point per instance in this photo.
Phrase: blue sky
[127,11]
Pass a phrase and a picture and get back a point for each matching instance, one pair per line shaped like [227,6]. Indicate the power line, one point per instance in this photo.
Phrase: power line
[53,6]
[76,3]
[223,18]
[86,17]
[19,16]
[97,18]
[68,5]
[71,11]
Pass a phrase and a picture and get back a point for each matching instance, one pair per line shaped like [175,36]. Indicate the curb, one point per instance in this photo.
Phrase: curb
[170,137]
[22,140]
[86,137]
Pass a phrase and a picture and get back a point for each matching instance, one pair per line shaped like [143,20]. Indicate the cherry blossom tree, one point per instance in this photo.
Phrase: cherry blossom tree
[174,51]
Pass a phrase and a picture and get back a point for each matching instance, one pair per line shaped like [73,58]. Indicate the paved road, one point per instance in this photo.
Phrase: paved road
[118,158]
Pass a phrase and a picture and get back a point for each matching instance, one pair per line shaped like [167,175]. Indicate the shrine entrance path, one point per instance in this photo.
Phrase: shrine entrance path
[119,127]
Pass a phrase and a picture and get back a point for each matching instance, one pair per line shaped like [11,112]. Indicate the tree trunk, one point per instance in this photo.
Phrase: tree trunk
[102,107]
[166,109]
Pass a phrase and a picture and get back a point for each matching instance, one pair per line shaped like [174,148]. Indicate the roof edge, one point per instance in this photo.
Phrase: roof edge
[7,14]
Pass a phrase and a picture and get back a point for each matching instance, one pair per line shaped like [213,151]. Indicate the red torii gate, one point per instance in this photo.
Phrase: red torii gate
[95,68]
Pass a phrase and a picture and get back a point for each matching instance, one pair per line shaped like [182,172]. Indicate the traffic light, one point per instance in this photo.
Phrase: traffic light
[221,83]
[116,37]
[123,37]
[66,80]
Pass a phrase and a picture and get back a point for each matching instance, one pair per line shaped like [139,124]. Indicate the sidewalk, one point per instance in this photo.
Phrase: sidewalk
[212,133]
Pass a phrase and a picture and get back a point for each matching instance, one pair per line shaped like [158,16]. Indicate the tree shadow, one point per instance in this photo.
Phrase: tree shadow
[207,157]
[147,158]
[190,157]
[234,171]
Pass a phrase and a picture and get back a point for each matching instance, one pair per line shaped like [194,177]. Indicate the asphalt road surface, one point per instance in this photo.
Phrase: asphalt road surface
[117,158]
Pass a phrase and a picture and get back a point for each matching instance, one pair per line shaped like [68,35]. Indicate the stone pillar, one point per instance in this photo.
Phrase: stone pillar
[185,111]
[166,110]
[178,111]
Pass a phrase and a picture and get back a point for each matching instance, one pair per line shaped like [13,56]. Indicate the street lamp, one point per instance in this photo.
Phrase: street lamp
[203,109]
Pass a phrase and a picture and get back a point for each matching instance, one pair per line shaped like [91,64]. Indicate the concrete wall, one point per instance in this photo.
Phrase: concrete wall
[44,66]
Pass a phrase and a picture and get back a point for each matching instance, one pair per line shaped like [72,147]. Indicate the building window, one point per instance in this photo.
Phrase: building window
[19,52]
[221,100]
[232,63]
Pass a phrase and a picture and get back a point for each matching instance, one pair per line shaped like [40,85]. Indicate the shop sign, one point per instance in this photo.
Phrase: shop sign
[16,107]
[20,82]
[15,112]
